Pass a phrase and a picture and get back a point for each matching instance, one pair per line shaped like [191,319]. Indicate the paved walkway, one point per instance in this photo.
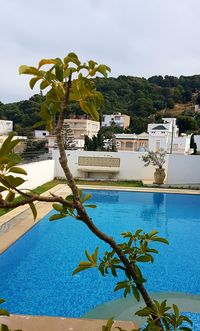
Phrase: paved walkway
[44,323]
[18,221]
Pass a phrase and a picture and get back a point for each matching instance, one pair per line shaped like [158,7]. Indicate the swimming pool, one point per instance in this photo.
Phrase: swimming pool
[36,272]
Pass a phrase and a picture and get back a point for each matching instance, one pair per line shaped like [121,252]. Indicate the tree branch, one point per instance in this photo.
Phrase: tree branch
[6,204]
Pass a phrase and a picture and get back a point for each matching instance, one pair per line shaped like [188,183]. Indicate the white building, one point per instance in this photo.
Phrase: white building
[81,127]
[6,127]
[131,142]
[41,134]
[165,136]
[123,121]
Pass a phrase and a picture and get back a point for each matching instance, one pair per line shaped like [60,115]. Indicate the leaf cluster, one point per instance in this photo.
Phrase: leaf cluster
[63,211]
[137,250]
[62,88]
[157,159]
[169,320]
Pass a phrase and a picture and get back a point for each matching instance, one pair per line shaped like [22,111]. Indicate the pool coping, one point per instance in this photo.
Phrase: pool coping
[20,220]
[48,323]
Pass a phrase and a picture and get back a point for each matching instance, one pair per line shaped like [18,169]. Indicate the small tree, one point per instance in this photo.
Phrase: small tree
[68,137]
[135,248]
[157,159]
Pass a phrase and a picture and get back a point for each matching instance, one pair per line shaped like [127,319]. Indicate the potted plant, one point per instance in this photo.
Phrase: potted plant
[157,159]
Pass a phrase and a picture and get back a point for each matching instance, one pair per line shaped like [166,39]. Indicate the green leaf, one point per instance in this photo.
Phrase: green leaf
[33,209]
[72,57]
[145,258]
[176,310]
[4,327]
[159,239]
[4,312]
[81,268]
[13,181]
[59,72]
[38,124]
[85,264]
[108,326]
[120,285]
[187,319]
[143,312]
[95,254]
[23,69]
[2,301]
[15,158]
[90,206]
[17,181]
[103,70]
[33,81]
[86,197]
[10,196]
[152,233]
[88,256]
[46,61]
[57,207]
[91,64]
[18,170]
[56,217]
[136,293]
[185,328]
[44,84]
[5,148]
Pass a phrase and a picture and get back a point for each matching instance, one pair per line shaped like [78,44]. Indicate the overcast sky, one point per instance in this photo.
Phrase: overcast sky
[133,37]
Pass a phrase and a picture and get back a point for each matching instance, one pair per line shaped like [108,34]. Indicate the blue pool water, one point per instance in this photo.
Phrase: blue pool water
[36,272]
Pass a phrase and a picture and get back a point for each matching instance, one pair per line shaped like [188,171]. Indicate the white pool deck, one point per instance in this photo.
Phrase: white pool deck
[15,223]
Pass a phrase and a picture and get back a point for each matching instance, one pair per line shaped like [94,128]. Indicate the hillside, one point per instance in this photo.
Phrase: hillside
[145,100]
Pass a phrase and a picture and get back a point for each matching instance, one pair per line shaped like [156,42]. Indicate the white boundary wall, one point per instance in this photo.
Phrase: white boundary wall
[180,169]
[183,169]
[38,173]
[131,165]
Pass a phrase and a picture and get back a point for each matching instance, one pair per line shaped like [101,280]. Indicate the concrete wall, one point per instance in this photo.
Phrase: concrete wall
[197,141]
[38,173]
[183,169]
[131,166]
[180,169]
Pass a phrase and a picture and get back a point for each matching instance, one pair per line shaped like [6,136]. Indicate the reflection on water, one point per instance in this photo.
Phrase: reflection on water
[158,199]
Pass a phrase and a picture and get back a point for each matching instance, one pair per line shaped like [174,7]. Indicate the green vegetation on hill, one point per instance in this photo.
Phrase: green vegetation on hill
[142,99]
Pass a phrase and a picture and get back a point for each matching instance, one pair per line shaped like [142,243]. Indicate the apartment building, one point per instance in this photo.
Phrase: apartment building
[82,126]
[121,120]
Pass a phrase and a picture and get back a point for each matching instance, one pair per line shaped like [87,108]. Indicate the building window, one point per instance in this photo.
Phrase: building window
[129,144]
[157,145]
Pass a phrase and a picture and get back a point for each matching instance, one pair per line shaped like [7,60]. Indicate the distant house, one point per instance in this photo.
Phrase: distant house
[80,126]
[165,136]
[131,142]
[6,127]
[41,134]
[197,109]
[121,120]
